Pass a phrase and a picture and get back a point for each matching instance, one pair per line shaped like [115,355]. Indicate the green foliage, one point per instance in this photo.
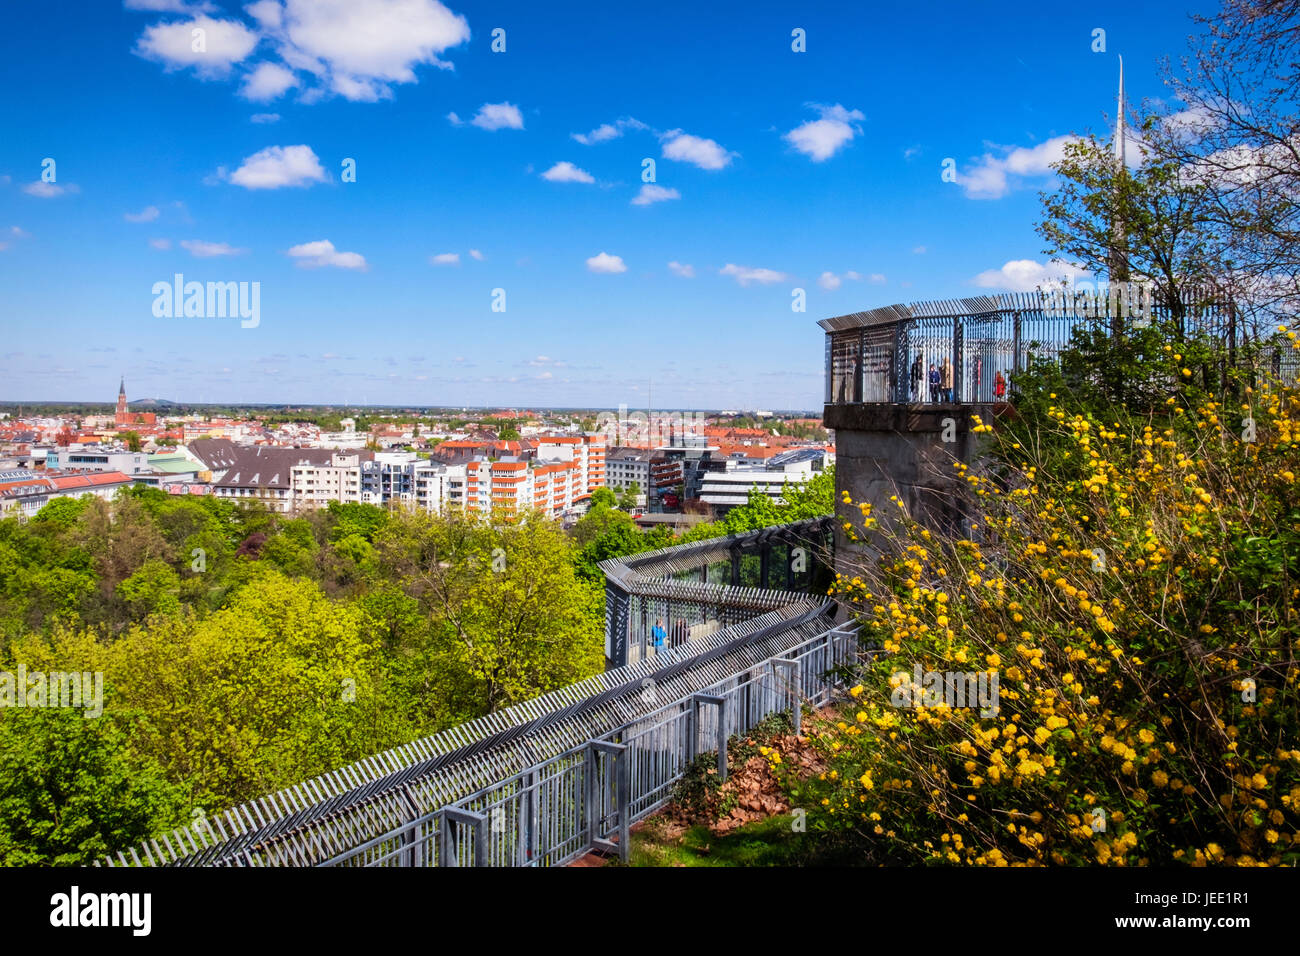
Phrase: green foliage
[814,498]
[72,790]
[603,498]
[248,650]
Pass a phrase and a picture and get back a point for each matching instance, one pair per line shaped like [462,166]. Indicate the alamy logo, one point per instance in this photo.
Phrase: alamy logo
[658,428]
[213,300]
[955,689]
[133,910]
[56,689]
[1130,300]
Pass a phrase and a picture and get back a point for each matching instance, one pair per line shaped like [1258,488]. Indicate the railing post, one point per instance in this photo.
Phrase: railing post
[1015,344]
[619,755]
[447,846]
[526,833]
[721,704]
[793,670]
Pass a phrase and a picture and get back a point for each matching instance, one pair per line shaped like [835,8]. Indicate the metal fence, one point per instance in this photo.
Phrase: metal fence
[542,782]
[967,350]
[661,599]
[589,796]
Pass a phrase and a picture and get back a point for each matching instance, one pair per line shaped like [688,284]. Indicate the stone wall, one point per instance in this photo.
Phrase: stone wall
[908,451]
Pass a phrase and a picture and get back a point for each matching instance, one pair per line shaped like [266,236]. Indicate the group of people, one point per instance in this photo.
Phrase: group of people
[658,635]
[940,380]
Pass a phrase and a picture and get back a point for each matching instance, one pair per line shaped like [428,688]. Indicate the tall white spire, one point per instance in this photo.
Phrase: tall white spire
[1119,116]
[1117,267]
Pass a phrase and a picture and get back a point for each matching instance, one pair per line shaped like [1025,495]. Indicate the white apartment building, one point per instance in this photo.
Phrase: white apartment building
[315,486]
[625,467]
[724,490]
[391,478]
[585,452]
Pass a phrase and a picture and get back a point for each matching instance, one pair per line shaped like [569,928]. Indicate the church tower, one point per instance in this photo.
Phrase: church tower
[123,416]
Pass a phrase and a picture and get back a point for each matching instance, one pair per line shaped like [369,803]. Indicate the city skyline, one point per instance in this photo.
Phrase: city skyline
[484,176]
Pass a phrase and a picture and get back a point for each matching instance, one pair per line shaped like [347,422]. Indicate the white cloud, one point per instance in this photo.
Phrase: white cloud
[445,259]
[16,233]
[685,271]
[147,214]
[876,277]
[163,244]
[223,44]
[366,45]
[475,254]
[704,153]
[263,118]
[200,249]
[607,131]
[321,253]
[598,135]
[566,172]
[494,116]
[43,190]
[357,49]
[992,177]
[650,193]
[278,166]
[267,82]
[606,264]
[918,250]
[167,6]
[268,13]
[746,274]
[1026,275]
[454,119]
[830,281]
[822,138]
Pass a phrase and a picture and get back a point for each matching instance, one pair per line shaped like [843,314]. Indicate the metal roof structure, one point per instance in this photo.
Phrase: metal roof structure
[1077,302]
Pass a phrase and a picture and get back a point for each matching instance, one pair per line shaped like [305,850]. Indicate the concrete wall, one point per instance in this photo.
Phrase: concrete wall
[908,451]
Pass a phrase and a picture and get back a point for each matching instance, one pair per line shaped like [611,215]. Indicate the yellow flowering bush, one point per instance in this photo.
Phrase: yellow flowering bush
[1133,586]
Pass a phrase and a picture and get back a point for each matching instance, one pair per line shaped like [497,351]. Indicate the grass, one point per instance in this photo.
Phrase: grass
[770,842]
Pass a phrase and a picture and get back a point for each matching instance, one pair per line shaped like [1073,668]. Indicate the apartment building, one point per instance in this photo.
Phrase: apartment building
[96,458]
[585,452]
[625,467]
[509,487]
[24,492]
[730,486]
[386,480]
[316,485]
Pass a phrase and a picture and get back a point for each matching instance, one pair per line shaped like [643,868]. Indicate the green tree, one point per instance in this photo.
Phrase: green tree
[72,790]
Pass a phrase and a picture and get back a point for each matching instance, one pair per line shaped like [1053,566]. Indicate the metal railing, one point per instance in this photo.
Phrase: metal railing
[688,591]
[542,782]
[974,346]
[589,796]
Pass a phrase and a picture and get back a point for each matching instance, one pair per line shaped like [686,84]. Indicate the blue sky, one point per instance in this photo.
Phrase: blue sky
[775,170]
